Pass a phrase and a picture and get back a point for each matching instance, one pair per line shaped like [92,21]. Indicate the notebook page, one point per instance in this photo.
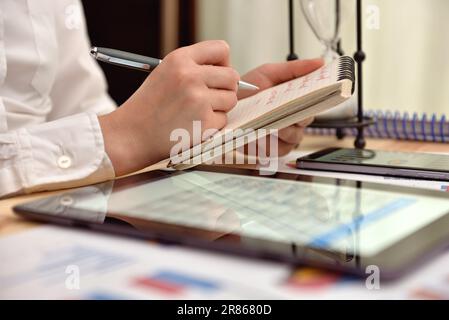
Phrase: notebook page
[268,100]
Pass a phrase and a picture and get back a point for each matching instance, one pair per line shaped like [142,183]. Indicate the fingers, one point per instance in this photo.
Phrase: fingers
[305,123]
[285,148]
[291,135]
[222,100]
[217,120]
[285,71]
[264,147]
[214,52]
[223,84]
[209,83]
[220,77]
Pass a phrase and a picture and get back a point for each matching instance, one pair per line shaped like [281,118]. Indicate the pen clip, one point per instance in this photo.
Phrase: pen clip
[118,61]
[130,64]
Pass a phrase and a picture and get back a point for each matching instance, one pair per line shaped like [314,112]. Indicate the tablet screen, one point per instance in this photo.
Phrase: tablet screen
[337,218]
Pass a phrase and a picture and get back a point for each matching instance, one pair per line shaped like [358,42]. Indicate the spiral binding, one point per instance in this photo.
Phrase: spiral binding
[346,70]
[389,125]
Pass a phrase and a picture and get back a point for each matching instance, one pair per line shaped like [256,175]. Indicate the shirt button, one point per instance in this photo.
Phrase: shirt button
[66,201]
[64,162]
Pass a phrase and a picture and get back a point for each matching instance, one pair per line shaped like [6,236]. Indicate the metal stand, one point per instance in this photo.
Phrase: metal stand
[337,22]
[359,57]
[291,12]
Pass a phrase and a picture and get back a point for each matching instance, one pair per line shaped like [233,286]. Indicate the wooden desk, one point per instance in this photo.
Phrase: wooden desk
[9,223]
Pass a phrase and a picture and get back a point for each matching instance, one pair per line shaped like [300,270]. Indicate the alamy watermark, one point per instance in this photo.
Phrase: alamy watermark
[73,17]
[73,280]
[214,147]
[372,17]
[372,281]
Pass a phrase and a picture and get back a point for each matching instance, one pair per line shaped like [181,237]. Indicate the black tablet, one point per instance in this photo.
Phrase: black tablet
[347,226]
[414,165]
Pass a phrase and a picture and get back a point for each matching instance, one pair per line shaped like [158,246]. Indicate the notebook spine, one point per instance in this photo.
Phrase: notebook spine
[389,125]
[346,70]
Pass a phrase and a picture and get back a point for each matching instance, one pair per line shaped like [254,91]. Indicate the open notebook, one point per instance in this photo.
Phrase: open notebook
[275,108]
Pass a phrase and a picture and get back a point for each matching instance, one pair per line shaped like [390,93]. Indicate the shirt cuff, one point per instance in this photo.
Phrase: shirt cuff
[63,154]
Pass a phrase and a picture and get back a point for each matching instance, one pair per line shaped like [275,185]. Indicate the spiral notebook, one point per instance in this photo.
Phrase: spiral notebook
[401,126]
[274,108]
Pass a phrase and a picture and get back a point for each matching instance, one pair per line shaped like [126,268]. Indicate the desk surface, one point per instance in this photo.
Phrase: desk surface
[9,223]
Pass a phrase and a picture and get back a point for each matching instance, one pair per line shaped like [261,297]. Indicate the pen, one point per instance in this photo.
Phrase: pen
[138,62]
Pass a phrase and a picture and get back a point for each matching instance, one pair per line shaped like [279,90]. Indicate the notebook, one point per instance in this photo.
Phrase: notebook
[401,126]
[275,108]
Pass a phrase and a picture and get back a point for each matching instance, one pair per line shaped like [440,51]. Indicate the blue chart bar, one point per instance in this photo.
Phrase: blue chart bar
[341,231]
[184,280]
[103,296]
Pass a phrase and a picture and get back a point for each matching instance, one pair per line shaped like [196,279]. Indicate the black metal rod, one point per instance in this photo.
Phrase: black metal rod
[337,16]
[338,49]
[291,24]
[359,57]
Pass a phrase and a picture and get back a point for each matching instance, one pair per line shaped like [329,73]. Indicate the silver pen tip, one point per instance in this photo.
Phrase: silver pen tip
[247,86]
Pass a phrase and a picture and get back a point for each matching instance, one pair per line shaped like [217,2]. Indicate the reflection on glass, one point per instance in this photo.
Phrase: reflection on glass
[325,217]
[72,205]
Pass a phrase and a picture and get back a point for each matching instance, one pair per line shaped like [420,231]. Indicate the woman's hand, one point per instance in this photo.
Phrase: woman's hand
[270,75]
[194,83]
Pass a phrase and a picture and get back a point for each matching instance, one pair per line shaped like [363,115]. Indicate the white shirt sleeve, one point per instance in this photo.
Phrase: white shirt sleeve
[51,92]
[60,154]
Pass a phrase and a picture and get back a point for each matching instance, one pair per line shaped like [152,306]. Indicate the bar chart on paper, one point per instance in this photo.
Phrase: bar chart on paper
[55,263]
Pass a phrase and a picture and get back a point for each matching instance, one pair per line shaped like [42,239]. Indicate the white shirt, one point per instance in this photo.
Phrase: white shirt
[51,91]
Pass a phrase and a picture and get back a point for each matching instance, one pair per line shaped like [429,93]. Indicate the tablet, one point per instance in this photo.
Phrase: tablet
[335,224]
[378,162]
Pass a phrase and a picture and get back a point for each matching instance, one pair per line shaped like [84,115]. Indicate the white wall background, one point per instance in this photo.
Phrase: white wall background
[407,65]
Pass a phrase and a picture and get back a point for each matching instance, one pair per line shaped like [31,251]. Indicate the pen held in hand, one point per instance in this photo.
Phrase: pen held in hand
[139,62]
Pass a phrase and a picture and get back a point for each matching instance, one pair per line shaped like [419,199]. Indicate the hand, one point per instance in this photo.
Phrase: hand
[270,75]
[194,83]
